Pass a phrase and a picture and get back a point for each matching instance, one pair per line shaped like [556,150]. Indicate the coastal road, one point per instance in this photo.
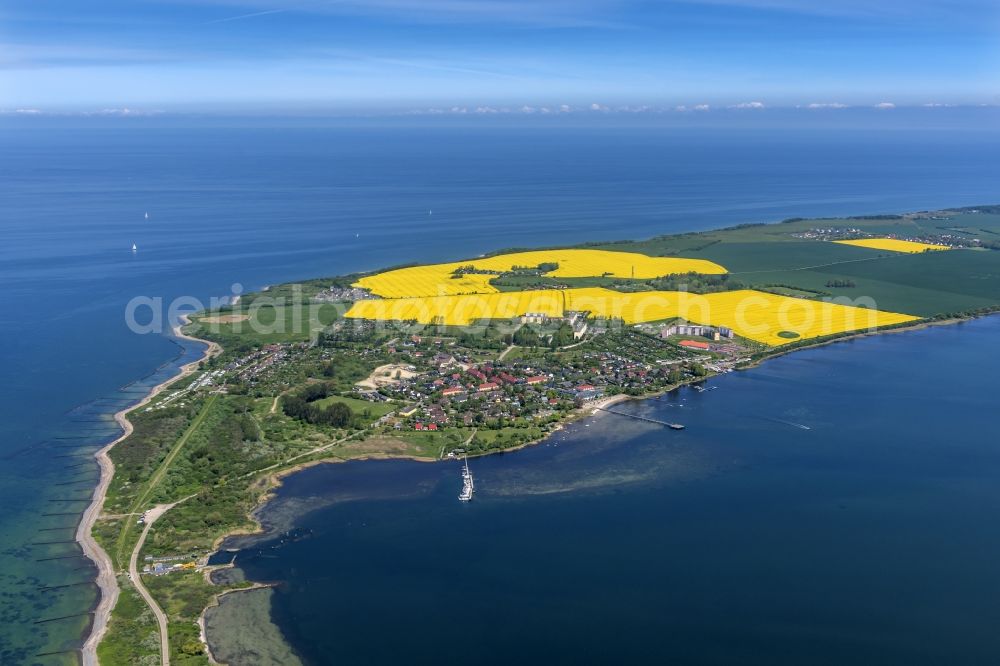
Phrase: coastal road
[133,572]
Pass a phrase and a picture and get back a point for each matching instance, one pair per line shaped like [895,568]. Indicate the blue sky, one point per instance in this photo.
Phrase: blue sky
[524,56]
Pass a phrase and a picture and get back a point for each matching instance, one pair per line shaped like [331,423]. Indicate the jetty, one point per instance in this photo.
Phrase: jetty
[468,486]
[672,426]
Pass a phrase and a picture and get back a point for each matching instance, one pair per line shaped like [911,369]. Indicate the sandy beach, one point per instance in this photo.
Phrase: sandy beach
[106,579]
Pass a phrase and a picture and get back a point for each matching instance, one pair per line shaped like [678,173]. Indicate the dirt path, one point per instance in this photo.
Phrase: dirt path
[468,440]
[809,268]
[506,351]
[318,449]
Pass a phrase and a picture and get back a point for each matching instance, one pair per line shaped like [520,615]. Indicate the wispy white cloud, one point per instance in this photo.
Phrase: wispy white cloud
[425,63]
[28,56]
[126,112]
[885,105]
[748,105]
[122,112]
[551,13]
[826,105]
[885,10]
[241,17]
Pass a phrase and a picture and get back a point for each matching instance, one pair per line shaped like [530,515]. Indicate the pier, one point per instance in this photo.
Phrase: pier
[468,487]
[672,426]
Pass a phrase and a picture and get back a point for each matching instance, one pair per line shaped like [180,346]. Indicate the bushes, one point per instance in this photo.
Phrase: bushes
[301,406]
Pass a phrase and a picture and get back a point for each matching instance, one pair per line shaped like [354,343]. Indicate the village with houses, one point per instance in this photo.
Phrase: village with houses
[444,393]
[438,380]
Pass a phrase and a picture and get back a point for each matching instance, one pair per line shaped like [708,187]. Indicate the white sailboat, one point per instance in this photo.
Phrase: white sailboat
[134,248]
[146,216]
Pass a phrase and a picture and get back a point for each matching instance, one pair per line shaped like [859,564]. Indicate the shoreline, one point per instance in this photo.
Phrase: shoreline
[214,603]
[274,480]
[271,481]
[106,580]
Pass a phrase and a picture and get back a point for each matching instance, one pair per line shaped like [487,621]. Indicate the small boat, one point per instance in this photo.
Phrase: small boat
[675,426]
[134,248]
[430,212]
[146,216]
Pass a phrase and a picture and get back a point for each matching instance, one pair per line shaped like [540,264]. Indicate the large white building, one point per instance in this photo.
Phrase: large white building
[710,332]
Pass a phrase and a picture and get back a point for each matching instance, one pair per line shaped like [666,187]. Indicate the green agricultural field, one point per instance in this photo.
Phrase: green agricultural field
[773,258]
[745,257]
[918,284]
[962,272]
[262,324]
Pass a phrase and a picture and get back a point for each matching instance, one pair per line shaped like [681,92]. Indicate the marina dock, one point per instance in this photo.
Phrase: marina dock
[672,426]
[468,486]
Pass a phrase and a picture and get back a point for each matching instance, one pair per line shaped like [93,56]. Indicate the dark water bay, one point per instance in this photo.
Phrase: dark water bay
[835,505]
[262,205]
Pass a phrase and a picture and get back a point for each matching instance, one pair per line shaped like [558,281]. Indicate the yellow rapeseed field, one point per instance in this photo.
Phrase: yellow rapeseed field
[439,279]
[893,245]
[463,309]
[751,314]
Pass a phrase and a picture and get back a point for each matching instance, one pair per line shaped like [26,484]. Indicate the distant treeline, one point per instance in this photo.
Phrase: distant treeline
[881,216]
[697,283]
[990,208]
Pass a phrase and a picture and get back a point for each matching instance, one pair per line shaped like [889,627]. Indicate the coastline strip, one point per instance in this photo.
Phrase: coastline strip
[106,580]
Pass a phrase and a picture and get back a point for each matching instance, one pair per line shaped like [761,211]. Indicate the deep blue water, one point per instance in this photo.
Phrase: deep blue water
[833,506]
[259,206]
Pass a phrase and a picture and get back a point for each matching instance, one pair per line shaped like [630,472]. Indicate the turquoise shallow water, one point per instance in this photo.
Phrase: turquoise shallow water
[264,205]
[832,506]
